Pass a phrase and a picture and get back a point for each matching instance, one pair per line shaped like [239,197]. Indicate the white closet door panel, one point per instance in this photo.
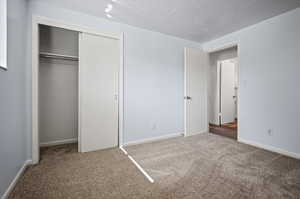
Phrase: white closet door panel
[99,66]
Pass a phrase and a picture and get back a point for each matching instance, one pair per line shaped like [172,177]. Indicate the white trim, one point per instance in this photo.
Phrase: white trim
[238,91]
[219,63]
[185,92]
[153,139]
[35,92]
[79,93]
[79,28]
[121,91]
[15,180]
[222,47]
[3,34]
[270,148]
[197,133]
[59,142]
[36,21]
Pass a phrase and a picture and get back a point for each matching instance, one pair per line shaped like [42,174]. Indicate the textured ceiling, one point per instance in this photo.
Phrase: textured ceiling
[197,20]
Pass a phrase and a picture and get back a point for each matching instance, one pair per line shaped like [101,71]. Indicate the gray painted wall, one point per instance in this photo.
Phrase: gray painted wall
[212,81]
[58,88]
[153,65]
[269,74]
[13,101]
[58,41]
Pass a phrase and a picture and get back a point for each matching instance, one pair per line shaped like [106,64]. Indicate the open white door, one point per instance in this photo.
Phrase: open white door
[228,105]
[196,62]
[98,78]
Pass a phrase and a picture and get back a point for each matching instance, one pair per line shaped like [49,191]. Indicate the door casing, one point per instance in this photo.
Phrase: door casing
[212,50]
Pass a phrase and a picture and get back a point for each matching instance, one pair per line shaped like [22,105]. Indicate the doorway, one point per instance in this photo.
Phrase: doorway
[211,81]
[223,92]
[64,87]
[58,86]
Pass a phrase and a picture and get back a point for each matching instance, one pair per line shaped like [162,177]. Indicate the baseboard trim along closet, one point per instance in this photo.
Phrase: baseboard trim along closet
[15,180]
[270,148]
[153,139]
[59,142]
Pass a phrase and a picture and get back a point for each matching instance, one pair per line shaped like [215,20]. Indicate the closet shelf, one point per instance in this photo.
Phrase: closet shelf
[58,56]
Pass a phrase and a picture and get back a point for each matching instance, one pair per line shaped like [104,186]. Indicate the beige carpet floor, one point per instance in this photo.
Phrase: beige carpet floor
[204,166]
[209,166]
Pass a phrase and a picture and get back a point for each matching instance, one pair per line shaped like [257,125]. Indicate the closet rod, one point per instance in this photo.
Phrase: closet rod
[58,56]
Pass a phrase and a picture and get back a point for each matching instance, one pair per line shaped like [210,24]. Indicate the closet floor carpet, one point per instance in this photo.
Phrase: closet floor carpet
[204,166]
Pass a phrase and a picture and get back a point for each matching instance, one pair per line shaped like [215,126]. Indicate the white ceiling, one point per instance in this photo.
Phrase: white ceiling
[197,20]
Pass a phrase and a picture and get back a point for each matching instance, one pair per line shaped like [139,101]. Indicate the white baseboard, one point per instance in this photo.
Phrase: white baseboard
[270,148]
[59,142]
[153,139]
[197,133]
[15,180]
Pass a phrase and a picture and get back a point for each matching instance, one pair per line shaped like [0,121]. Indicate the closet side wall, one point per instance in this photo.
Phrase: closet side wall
[58,87]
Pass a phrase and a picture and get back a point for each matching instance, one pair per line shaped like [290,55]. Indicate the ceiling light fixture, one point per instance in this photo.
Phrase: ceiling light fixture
[108,8]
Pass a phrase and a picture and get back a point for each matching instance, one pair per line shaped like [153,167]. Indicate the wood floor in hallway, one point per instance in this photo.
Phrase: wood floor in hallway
[228,130]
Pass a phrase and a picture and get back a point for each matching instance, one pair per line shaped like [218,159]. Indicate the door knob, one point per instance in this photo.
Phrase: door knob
[187,98]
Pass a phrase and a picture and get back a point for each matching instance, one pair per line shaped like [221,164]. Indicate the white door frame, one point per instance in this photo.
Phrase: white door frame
[38,20]
[185,93]
[219,97]
[224,47]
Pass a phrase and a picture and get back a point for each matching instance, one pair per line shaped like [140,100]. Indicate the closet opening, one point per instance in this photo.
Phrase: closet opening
[77,89]
[58,89]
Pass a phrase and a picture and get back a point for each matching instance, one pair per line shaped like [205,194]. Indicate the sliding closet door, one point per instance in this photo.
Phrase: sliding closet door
[99,61]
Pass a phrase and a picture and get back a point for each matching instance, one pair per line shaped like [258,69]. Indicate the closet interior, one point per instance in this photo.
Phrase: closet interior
[78,89]
[58,86]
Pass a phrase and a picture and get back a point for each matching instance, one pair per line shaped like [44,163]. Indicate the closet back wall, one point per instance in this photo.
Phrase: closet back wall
[58,87]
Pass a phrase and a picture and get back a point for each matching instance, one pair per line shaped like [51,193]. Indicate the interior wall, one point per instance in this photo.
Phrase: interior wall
[214,57]
[13,92]
[58,40]
[58,87]
[153,73]
[269,77]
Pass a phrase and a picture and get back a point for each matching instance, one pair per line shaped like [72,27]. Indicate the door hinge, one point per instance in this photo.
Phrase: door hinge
[187,98]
